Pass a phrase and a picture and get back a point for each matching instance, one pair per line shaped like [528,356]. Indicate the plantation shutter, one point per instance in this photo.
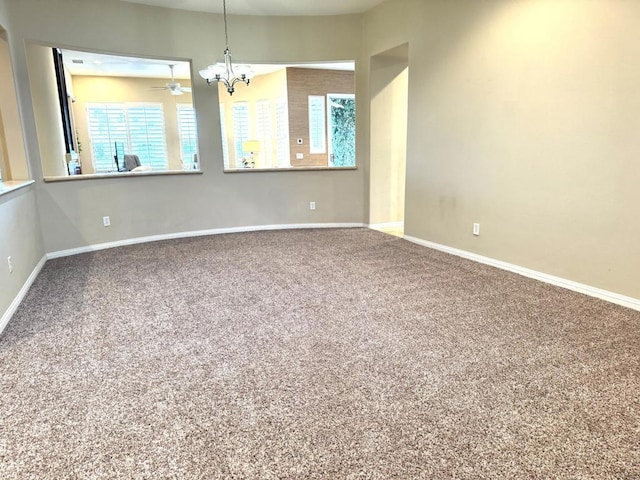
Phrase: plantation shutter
[107,125]
[282,133]
[147,134]
[264,132]
[187,130]
[240,117]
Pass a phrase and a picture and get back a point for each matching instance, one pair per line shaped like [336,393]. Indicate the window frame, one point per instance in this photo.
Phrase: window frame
[123,133]
[188,134]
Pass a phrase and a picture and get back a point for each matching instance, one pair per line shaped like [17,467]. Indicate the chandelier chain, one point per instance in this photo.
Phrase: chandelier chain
[223,72]
[226,35]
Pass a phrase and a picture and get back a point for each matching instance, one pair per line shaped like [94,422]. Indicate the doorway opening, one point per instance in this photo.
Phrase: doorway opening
[388,139]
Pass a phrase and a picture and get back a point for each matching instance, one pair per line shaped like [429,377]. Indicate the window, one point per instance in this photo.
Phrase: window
[241,128]
[264,133]
[317,130]
[139,126]
[147,134]
[187,130]
[282,133]
[283,118]
[107,125]
[271,132]
[341,117]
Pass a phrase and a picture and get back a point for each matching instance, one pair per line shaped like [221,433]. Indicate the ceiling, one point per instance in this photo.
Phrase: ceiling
[268,7]
[91,63]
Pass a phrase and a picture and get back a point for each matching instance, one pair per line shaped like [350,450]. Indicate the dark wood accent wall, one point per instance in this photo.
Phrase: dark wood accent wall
[302,82]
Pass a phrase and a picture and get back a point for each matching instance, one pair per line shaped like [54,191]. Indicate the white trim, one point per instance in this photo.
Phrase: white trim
[7,186]
[317,125]
[6,316]
[196,233]
[378,226]
[612,297]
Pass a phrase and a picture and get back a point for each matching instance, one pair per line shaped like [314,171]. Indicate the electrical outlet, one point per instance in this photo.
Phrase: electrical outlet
[106,221]
[10,263]
[312,205]
[476,229]
[299,156]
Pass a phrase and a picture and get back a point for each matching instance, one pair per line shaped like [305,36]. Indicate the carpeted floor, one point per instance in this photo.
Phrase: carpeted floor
[308,354]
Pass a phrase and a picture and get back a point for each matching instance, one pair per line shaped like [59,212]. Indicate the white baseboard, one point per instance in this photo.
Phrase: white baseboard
[378,226]
[612,297]
[196,233]
[6,316]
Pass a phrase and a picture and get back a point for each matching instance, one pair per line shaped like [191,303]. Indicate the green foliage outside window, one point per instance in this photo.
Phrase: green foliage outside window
[343,121]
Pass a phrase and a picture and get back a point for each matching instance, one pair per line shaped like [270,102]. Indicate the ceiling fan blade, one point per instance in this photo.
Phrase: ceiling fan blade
[174,87]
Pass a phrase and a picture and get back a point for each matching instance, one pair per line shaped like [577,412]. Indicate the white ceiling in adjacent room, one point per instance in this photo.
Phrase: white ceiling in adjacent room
[268,7]
[78,62]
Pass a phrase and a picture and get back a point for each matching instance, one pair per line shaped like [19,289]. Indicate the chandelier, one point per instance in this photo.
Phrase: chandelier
[223,72]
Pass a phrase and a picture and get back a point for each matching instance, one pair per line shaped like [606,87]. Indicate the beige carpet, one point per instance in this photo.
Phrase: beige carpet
[318,354]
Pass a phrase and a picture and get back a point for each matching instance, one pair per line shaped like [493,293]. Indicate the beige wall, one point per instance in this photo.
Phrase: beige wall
[523,116]
[46,104]
[389,101]
[72,211]
[13,162]
[21,239]
[20,235]
[89,89]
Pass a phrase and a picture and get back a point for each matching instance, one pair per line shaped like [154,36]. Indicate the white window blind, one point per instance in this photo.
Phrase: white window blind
[282,133]
[107,125]
[264,132]
[317,126]
[147,134]
[188,132]
[241,128]
[139,127]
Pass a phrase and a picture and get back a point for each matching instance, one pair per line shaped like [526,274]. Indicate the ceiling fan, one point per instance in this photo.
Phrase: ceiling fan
[174,87]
